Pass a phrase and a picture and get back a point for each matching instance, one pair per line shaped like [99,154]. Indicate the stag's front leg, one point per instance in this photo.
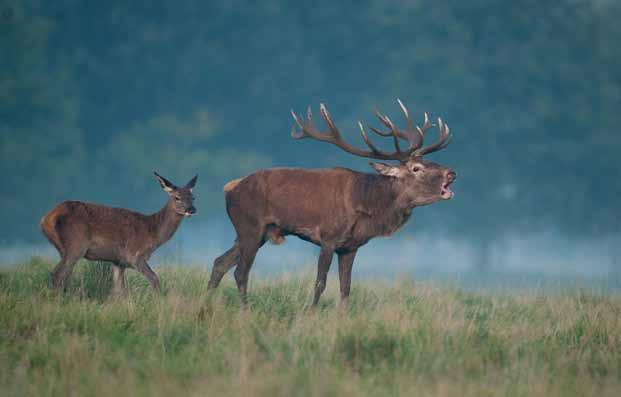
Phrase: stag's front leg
[346,262]
[323,266]
[223,264]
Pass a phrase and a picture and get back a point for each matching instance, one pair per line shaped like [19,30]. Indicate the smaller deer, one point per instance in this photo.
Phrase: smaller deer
[117,235]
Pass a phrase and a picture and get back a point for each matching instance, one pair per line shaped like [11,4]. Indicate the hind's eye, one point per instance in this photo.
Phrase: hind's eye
[416,168]
[177,198]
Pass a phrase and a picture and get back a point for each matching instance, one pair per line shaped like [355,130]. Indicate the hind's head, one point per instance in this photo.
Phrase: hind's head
[181,198]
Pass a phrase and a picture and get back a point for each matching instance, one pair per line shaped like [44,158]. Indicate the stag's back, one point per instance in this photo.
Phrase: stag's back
[306,202]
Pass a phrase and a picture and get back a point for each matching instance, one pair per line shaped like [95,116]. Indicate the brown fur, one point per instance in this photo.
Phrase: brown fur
[117,235]
[231,185]
[337,209]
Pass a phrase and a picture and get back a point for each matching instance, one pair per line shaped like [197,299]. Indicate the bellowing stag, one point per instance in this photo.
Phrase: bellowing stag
[337,209]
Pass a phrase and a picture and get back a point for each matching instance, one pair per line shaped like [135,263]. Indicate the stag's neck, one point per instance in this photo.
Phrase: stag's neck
[164,224]
[384,206]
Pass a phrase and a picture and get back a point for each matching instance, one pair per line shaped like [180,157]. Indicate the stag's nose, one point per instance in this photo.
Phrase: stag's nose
[192,210]
[451,176]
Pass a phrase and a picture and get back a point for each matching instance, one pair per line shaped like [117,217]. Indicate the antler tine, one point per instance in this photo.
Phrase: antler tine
[380,133]
[326,116]
[308,129]
[426,125]
[443,141]
[382,119]
[294,133]
[406,114]
[388,123]
[414,134]
[366,139]
[396,134]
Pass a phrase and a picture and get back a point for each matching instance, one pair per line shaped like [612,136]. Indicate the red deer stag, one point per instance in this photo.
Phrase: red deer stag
[337,209]
[117,235]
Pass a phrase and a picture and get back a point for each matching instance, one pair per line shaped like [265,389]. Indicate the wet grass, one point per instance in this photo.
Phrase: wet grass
[399,339]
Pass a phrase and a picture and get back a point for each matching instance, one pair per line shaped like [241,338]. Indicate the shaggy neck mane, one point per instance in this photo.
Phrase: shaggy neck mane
[378,198]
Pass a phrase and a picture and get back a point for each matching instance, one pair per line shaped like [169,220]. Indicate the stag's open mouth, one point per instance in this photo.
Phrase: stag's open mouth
[446,193]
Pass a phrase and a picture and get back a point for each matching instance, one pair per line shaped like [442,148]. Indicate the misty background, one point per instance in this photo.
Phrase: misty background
[94,96]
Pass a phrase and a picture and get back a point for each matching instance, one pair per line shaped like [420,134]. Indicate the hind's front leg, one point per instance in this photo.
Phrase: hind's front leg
[143,267]
[118,278]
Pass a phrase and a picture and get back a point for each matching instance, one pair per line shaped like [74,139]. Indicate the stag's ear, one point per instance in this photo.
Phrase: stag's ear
[167,185]
[388,170]
[190,185]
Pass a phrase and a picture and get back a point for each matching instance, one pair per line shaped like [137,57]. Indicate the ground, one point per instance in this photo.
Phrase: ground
[399,338]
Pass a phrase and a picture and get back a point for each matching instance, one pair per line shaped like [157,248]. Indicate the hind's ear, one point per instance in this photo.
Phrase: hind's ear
[167,185]
[190,185]
[388,170]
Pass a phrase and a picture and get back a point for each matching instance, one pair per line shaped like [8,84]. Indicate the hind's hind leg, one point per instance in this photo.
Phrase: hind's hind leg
[69,238]
[63,270]
[222,265]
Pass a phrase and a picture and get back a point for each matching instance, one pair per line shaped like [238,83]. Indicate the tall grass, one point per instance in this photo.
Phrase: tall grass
[401,339]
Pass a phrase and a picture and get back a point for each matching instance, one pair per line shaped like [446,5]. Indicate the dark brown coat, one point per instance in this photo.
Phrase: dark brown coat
[337,209]
[117,235]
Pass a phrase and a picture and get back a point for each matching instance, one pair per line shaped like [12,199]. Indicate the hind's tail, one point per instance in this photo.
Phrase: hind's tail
[48,227]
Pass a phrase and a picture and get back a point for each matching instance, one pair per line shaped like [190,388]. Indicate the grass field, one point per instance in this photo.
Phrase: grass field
[393,339]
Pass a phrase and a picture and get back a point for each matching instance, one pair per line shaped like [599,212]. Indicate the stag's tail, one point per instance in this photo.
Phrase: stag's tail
[232,185]
[48,227]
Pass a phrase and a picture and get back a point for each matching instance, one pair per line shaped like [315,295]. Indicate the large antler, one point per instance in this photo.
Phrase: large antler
[413,135]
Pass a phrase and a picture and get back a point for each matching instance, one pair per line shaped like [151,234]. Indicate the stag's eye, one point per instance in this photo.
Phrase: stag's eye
[417,168]
[177,198]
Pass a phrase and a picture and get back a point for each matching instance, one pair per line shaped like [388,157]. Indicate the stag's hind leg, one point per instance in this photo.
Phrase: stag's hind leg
[222,265]
[248,248]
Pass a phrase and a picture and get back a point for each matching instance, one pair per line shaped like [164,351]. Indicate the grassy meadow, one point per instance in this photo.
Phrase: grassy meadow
[402,338]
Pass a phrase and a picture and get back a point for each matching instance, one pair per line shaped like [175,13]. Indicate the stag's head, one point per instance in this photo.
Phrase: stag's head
[420,181]
[180,198]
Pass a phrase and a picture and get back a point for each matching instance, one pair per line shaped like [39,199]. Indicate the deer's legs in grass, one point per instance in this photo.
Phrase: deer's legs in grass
[247,251]
[118,278]
[144,268]
[222,265]
[63,270]
[346,262]
[323,266]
